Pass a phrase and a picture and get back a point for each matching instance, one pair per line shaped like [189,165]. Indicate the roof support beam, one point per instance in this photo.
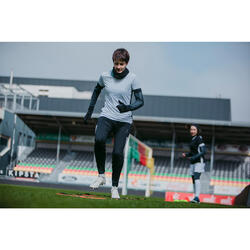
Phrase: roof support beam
[172,151]
[60,125]
[212,154]
[58,145]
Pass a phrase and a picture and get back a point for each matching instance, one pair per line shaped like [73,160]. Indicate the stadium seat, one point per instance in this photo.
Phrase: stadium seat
[230,173]
[40,160]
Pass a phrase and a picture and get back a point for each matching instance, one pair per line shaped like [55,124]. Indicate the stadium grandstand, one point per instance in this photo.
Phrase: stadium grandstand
[53,110]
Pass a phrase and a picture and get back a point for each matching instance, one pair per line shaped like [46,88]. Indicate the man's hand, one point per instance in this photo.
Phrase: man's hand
[87,117]
[122,107]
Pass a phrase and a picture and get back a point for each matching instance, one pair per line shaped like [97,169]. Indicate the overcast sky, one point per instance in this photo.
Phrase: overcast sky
[196,69]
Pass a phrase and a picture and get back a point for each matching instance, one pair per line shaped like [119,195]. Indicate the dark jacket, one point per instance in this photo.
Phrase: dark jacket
[197,150]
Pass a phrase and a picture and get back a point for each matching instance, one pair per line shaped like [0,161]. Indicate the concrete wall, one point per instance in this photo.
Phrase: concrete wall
[13,127]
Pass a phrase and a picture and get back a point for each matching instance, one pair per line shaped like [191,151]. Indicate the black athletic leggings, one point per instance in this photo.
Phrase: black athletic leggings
[121,132]
[196,176]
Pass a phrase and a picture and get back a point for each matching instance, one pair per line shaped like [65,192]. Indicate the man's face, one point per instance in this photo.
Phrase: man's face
[119,66]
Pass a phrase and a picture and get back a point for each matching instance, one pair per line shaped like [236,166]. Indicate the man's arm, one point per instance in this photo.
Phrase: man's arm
[139,102]
[94,97]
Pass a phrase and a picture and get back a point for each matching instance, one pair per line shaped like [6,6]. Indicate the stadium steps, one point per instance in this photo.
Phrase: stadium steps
[84,164]
[26,152]
[230,173]
[35,168]
[53,177]
[41,161]
[236,182]
[205,180]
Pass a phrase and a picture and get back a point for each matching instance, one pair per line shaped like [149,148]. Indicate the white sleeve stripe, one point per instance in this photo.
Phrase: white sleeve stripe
[201,145]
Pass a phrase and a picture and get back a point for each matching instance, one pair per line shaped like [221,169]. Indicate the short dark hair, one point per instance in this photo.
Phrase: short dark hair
[121,55]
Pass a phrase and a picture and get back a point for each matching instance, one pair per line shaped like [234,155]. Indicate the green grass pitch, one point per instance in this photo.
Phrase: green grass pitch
[14,196]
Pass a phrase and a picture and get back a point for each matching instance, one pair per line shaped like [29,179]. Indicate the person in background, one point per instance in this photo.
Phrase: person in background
[115,117]
[197,160]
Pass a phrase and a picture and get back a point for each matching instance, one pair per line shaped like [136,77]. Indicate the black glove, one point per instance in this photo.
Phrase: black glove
[192,160]
[122,107]
[93,100]
[87,117]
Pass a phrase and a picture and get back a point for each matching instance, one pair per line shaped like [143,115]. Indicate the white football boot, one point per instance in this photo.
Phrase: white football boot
[98,182]
[114,193]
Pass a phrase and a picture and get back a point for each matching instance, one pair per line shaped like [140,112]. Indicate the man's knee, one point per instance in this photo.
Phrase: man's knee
[193,179]
[197,175]
[99,140]
[117,157]
[118,151]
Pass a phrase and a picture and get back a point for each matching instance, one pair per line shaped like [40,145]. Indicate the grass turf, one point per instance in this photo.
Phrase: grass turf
[14,196]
